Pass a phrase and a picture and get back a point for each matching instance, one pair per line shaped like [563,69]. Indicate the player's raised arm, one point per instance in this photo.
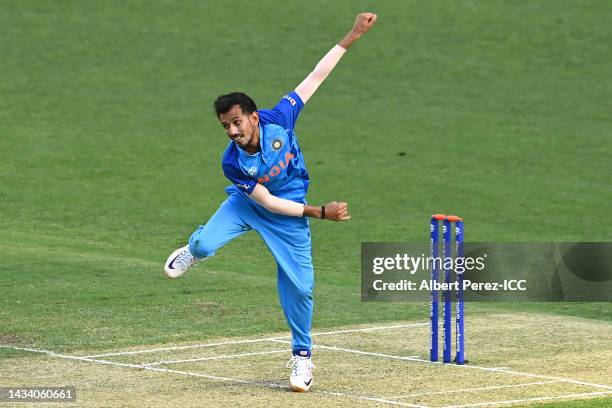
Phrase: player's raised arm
[363,23]
[334,211]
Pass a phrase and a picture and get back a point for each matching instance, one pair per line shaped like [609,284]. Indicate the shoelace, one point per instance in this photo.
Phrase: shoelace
[186,260]
[300,365]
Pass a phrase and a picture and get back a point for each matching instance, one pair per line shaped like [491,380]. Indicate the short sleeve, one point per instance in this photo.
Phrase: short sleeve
[286,112]
[232,171]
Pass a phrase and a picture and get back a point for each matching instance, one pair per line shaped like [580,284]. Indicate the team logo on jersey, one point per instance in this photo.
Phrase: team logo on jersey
[252,171]
[290,99]
[277,144]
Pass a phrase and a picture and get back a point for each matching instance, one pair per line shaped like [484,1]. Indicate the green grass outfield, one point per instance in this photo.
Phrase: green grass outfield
[110,154]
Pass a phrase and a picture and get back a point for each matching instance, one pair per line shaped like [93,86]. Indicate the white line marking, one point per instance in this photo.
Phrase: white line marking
[545,377]
[518,401]
[127,353]
[494,387]
[279,340]
[385,401]
[138,366]
[367,353]
[210,377]
[230,342]
[191,360]
[457,366]
[366,329]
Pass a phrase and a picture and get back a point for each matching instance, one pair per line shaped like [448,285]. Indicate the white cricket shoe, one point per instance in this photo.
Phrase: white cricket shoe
[301,373]
[179,262]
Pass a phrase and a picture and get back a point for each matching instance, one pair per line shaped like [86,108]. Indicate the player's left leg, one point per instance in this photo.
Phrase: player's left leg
[227,223]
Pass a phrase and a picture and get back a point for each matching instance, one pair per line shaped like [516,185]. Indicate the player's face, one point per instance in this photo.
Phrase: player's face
[241,128]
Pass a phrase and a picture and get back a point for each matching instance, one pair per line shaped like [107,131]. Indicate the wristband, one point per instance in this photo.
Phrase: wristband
[322,212]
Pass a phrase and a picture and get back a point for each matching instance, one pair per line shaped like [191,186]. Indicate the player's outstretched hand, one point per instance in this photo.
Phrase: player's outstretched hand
[337,211]
[363,23]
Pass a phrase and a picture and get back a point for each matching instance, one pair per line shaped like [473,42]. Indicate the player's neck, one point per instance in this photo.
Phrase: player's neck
[253,146]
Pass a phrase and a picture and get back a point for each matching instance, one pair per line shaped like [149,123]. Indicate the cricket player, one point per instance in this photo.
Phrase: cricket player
[269,179]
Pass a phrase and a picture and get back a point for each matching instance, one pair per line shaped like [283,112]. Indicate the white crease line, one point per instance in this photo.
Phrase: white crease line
[386,401]
[494,387]
[358,352]
[366,329]
[125,353]
[519,401]
[272,385]
[457,366]
[138,366]
[191,360]
[544,377]
[211,377]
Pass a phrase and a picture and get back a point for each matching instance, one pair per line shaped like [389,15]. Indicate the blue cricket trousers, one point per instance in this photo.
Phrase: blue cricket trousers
[288,238]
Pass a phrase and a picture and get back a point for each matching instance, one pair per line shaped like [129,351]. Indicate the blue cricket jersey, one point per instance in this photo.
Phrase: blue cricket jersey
[279,165]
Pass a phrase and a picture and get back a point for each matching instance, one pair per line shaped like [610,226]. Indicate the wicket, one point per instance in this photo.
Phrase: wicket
[446,293]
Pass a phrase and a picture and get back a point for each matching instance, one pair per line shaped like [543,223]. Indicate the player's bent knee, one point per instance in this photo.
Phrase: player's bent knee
[200,248]
[304,293]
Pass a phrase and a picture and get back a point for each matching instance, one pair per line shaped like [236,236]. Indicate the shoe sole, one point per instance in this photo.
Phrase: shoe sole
[297,388]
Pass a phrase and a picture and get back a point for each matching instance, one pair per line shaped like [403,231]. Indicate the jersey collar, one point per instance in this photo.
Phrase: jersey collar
[265,154]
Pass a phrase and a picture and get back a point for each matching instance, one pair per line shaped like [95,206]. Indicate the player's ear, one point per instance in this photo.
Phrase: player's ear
[255,118]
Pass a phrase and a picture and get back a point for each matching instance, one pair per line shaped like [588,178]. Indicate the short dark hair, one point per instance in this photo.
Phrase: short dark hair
[225,102]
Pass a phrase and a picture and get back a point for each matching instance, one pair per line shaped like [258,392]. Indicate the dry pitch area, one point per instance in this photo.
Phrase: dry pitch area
[514,359]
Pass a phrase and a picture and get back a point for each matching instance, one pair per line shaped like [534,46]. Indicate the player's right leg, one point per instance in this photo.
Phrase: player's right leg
[289,241]
[226,224]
